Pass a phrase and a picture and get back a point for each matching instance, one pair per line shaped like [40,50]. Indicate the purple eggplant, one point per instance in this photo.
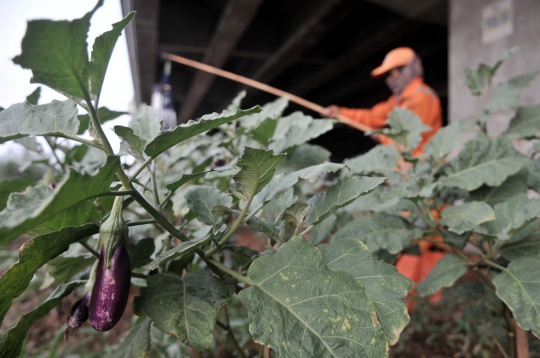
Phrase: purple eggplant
[111,288]
[78,314]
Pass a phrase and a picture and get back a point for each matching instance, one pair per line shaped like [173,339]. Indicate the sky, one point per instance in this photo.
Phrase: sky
[15,83]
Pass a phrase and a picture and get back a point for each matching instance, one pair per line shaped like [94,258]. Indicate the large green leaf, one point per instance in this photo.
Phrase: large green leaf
[64,267]
[533,178]
[304,156]
[258,168]
[299,135]
[146,123]
[483,160]
[467,216]
[102,51]
[274,209]
[382,283]
[378,231]
[24,119]
[525,124]
[187,306]
[57,54]
[178,134]
[177,251]
[104,115]
[340,194]
[270,111]
[271,230]
[383,159]
[201,199]
[12,341]
[442,143]
[12,186]
[528,246]
[33,97]
[137,342]
[34,254]
[445,273]
[141,252]
[519,287]
[513,213]
[405,128]
[300,308]
[23,213]
[492,195]
[321,231]
[135,143]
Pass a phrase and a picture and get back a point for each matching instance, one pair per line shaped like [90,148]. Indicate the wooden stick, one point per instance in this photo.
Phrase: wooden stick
[261,86]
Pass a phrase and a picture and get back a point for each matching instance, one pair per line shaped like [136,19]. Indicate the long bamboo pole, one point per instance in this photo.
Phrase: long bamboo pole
[261,86]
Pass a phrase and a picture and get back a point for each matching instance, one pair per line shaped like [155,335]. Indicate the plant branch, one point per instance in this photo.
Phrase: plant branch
[139,275]
[140,169]
[51,144]
[155,193]
[81,140]
[140,222]
[136,181]
[230,334]
[89,248]
[308,229]
[230,272]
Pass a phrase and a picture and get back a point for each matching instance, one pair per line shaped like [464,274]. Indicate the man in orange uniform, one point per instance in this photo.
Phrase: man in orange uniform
[404,76]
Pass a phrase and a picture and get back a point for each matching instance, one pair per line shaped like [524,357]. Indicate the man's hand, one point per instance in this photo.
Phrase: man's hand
[330,112]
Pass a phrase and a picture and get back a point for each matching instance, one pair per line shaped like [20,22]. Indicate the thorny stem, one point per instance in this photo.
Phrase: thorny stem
[232,230]
[230,272]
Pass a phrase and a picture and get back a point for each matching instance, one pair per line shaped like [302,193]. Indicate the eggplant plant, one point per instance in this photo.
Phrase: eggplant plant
[167,223]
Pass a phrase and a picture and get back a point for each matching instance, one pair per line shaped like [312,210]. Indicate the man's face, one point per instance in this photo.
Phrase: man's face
[394,74]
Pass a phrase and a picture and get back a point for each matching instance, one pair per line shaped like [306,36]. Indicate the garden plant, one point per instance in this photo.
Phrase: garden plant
[164,214]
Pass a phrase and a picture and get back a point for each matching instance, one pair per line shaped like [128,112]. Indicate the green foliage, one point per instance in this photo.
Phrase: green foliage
[137,343]
[445,273]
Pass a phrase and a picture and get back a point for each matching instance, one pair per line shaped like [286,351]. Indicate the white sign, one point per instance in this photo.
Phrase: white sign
[497,21]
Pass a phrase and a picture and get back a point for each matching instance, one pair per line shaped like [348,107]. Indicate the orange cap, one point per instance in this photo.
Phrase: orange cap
[397,57]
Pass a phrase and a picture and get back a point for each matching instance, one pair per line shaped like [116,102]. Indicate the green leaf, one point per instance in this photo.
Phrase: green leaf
[300,308]
[135,143]
[102,51]
[467,216]
[484,160]
[34,254]
[321,231]
[525,124]
[382,283]
[271,110]
[57,54]
[264,132]
[383,159]
[271,230]
[378,231]
[340,194]
[187,306]
[505,96]
[64,267]
[23,213]
[296,212]
[442,143]
[178,134]
[236,102]
[137,342]
[299,135]
[25,119]
[33,97]
[180,250]
[513,213]
[492,195]
[242,255]
[445,273]
[519,287]
[12,341]
[141,252]
[304,156]
[258,168]
[104,115]
[146,123]
[228,171]
[274,209]
[405,128]
[529,246]
[533,178]
[12,186]
[201,199]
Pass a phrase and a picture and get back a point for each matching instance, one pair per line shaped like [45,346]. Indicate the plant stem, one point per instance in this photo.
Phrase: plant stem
[231,336]
[115,193]
[140,169]
[511,332]
[90,249]
[154,188]
[166,200]
[140,222]
[253,213]
[141,184]
[230,272]
[81,140]
[308,229]
[232,230]
[51,144]
[139,275]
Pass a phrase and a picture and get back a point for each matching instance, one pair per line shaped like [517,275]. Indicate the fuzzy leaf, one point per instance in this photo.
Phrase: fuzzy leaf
[24,119]
[467,216]
[525,124]
[141,252]
[383,159]
[179,250]
[321,231]
[187,306]
[274,209]
[12,341]
[33,97]
[378,231]
[519,287]
[258,168]
[304,156]
[382,283]
[104,115]
[492,195]
[24,213]
[34,254]
[483,160]
[63,268]
[301,308]
[513,213]
[445,273]
[270,111]
[405,128]
[201,200]
[442,143]
[524,247]
[135,143]
[12,186]
[146,123]
[137,342]
[340,194]
[300,135]
[178,134]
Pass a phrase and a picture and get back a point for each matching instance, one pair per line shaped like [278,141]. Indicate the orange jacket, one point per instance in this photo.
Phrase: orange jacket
[416,97]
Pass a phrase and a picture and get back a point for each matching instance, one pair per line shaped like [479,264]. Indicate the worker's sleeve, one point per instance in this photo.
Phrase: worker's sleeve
[428,108]
[374,118]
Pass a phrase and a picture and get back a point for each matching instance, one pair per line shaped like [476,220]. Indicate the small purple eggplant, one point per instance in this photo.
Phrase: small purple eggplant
[113,273]
[111,289]
[78,315]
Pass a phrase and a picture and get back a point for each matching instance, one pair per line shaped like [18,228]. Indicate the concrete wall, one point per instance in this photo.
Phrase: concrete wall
[468,50]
